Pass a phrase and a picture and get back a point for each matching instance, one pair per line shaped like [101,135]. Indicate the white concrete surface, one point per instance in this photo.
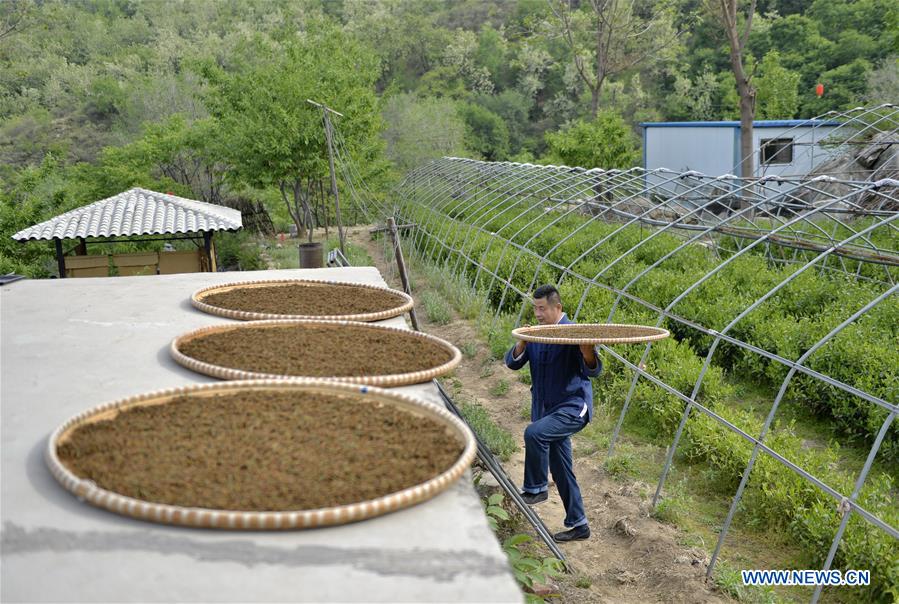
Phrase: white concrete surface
[70,344]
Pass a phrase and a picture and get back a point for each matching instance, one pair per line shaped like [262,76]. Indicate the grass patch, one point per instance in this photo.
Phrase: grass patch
[524,375]
[436,308]
[583,583]
[500,388]
[730,582]
[469,350]
[620,465]
[525,411]
[499,440]
[487,369]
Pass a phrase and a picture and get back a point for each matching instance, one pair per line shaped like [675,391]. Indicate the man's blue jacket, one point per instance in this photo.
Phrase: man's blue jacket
[560,379]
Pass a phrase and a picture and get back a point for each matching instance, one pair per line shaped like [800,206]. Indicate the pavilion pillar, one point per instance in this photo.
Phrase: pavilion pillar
[209,251]
[60,258]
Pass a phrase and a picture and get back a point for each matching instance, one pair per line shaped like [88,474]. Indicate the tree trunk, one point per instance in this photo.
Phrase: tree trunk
[301,203]
[747,116]
[728,15]
[747,109]
[294,215]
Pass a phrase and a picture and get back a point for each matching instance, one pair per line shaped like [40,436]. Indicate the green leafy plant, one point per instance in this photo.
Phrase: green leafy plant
[528,569]
[500,388]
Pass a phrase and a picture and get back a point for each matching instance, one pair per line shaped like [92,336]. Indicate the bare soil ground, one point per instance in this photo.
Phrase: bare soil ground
[630,556]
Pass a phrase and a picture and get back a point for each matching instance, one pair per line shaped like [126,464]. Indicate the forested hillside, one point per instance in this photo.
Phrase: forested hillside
[207,98]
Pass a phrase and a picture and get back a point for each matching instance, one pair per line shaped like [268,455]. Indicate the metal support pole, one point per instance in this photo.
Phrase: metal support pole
[330,140]
[340,234]
[401,264]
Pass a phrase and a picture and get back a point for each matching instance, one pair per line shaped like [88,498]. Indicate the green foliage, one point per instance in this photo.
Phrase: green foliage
[272,137]
[500,442]
[485,132]
[529,568]
[495,512]
[105,98]
[500,388]
[777,89]
[730,581]
[606,142]
[469,349]
[620,465]
[238,251]
[436,308]
[419,130]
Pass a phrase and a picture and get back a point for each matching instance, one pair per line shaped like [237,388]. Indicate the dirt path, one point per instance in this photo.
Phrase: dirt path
[630,556]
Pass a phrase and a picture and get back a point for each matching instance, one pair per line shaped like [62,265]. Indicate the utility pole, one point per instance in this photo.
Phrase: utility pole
[329,137]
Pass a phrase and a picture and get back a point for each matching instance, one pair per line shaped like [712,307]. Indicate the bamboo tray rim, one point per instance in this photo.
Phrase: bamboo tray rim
[384,380]
[651,334]
[196,299]
[87,490]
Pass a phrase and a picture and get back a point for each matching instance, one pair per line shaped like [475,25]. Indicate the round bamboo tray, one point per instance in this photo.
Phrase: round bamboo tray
[87,490]
[590,333]
[197,299]
[384,381]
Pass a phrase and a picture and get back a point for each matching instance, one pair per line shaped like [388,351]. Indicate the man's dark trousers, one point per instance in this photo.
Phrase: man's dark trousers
[547,442]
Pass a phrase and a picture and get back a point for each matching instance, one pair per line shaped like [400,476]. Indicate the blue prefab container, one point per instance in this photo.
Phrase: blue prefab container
[780,147]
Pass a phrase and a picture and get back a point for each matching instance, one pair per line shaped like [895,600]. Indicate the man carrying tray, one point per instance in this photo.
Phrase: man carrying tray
[561,405]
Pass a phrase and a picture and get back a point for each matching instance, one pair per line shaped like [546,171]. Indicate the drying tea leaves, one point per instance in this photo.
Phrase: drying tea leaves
[592,331]
[317,351]
[260,451]
[305,299]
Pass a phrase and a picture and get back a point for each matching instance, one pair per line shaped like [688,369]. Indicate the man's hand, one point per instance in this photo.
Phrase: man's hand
[589,355]
[519,348]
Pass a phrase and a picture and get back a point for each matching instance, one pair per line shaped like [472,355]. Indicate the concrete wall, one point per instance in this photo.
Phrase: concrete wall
[70,344]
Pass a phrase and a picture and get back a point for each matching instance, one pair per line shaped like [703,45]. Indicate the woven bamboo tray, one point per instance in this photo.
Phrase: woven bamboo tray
[384,381]
[198,296]
[590,333]
[87,490]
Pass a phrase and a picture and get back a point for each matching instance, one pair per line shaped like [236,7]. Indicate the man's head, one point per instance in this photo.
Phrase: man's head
[547,305]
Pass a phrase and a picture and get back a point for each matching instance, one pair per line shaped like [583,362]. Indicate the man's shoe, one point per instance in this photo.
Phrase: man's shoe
[534,498]
[578,533]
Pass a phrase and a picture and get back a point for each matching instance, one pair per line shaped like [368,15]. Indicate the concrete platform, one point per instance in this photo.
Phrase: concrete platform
[70,344]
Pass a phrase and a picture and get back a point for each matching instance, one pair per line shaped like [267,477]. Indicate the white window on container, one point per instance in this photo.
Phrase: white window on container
[777,151]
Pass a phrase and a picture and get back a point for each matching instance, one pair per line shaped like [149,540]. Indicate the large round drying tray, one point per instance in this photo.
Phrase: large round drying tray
[386,380]
[235,519]
[590,333]
[404,304]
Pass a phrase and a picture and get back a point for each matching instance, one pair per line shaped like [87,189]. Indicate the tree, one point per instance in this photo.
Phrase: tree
[778,89]
[605,142]
[737,37]
[14,16]
[843,87]
[419,130]
[485,132]
[609,37]
[273,136]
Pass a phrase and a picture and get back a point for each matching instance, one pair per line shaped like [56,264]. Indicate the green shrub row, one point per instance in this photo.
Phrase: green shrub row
[787,324]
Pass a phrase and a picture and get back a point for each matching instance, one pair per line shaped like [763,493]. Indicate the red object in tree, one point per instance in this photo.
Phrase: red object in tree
[819,90]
